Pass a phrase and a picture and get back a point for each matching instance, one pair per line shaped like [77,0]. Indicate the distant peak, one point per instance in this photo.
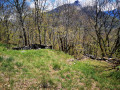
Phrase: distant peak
[76,2]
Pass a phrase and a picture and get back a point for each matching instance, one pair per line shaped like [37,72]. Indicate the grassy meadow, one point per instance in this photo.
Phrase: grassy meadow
[50,69]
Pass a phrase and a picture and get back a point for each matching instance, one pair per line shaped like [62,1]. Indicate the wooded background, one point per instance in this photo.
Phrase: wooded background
[82,31]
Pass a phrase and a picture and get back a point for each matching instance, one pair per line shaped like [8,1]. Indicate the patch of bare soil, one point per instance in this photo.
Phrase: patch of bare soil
[94,86]
[70,61]
[24,84]
[1,86]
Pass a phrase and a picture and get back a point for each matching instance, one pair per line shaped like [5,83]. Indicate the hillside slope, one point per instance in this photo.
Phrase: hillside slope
[44,68]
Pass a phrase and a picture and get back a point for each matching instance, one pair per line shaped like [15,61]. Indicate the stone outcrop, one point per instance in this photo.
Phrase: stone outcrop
[33,46]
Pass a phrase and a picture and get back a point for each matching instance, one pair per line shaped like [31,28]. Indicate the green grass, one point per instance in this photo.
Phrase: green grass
[56,66]
[1,58]
[51,69]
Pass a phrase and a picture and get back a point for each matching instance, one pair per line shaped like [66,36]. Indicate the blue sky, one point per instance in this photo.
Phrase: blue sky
[61,2]
[84,3]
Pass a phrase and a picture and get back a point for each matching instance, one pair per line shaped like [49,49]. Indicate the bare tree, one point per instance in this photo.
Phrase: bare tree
[20,7]
[40,6]
[104,25]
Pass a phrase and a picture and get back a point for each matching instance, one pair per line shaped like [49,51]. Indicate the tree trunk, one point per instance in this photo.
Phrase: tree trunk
[39,35]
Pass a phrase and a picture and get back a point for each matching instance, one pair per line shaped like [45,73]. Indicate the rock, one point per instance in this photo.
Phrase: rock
[104,58]
[90,56]
[26,48]
[98,59]
[33,46]
[16,48]
[48,47]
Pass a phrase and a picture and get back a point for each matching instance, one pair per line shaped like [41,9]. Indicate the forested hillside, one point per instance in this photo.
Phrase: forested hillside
[59,45]
[71,28]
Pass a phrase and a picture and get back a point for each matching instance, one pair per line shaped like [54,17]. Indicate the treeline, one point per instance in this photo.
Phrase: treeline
[78,32]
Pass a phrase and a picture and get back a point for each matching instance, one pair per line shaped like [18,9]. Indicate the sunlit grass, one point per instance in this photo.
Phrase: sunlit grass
[52,69]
